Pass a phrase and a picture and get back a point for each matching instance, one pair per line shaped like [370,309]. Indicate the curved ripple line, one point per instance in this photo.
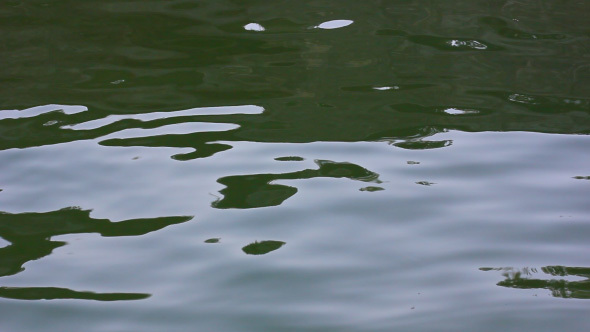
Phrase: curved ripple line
[225,110]
[38,110]
[173,129]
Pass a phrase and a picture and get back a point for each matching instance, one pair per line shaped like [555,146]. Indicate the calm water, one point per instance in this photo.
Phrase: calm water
[294,165]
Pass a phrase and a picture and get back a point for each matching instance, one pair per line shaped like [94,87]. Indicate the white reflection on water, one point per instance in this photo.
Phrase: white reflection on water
[38,110]
[227,110]
[385,88]
[523,99]
[467,43]
[254,27]
[456,111]
[173,129]
[335,24]
[372,254]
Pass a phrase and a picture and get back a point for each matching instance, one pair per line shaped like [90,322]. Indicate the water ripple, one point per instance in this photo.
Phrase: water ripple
[30,234]
[259,190]
[38,110]
[94,124]
[572,282]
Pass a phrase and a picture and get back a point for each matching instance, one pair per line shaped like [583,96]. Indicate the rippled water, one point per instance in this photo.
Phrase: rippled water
[294,165]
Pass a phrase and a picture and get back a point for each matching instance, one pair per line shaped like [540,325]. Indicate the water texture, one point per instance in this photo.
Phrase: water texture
[294,165]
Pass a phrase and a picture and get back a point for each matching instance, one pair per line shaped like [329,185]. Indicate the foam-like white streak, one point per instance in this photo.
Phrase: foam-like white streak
[225,110]
[457,111]
[385,88]
[38,110]
[467,43]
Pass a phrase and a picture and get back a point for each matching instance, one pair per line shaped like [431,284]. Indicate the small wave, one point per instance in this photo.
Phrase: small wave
[457,111]
[506,29]
[561,281]
[227,110]
[173,129]
[521,98]
[392,87]
[38,110]
[453,44]
[467,43]
[385,88]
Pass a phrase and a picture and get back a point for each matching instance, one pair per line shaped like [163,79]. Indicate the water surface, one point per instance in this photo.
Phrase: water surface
[294,165]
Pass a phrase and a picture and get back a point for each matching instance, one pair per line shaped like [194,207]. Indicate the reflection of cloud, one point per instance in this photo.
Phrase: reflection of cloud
[522,279]
[30,234]
[261,248]
[256,190]
[53,293]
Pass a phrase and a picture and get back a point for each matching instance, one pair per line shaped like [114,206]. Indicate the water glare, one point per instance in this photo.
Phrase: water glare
[335,24]
[254,27]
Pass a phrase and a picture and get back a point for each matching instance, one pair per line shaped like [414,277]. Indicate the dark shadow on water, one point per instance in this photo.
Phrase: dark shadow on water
[256,190]
[559,287]
[30,236]
[54,293]
[262,248]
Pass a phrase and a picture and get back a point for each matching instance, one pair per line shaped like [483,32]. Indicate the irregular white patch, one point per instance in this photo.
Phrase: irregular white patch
[335,24]
[456,111]
[467,43]
[385,88]
[254,27]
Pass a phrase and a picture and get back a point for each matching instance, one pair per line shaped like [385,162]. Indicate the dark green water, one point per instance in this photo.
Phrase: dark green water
[294,165]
